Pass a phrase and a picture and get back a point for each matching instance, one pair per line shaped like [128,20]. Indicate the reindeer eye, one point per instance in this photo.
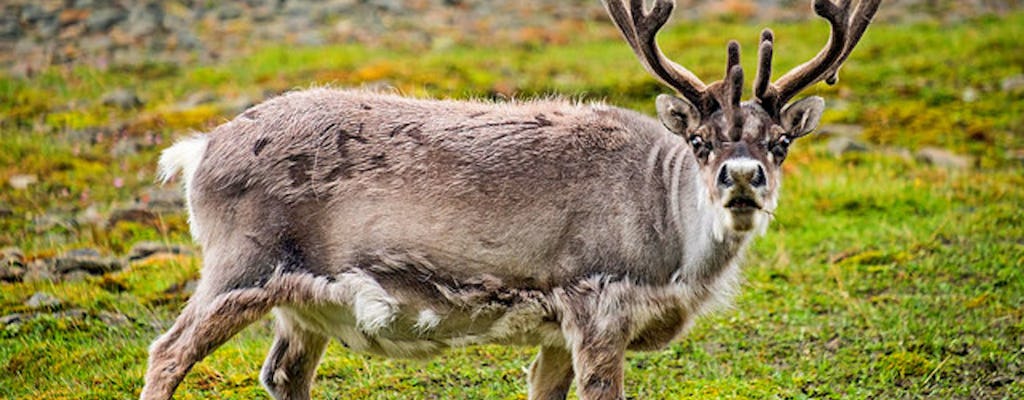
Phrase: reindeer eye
[696,141]
[785,140]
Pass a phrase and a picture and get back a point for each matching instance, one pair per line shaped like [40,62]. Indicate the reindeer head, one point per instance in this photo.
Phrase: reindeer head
[740,146]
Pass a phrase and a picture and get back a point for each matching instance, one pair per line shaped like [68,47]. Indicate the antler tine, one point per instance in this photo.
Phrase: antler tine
[811,71]
[859,22]
[764,64]
[639,28]
[847,29]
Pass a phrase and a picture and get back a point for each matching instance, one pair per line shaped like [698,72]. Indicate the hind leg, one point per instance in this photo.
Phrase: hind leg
[205,324]
[231,295]
[291,364]
[551,374]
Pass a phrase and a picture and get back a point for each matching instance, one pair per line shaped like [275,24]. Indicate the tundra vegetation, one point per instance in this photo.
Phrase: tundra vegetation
[882,275]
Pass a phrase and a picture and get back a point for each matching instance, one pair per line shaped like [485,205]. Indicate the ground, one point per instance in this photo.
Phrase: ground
[889,271]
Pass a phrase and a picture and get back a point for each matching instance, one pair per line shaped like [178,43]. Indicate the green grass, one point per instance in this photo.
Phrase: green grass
[880,278]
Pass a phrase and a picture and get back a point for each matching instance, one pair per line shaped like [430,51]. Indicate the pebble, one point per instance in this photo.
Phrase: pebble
[122,98]
[41,300]
[942,158]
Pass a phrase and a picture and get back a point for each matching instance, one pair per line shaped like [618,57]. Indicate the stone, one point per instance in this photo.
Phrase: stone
[10,27]
[103,19]
[41,300]
[39,271]
[1013,83]
[113,318]
[75,276]
[229,12]
[841,145]
[942,158]
[845,130]
[11,319]
[142,250]
[22,181]
[163,199]
[145,18]
[122,98]
[134,214]
[12,265]
[88,260]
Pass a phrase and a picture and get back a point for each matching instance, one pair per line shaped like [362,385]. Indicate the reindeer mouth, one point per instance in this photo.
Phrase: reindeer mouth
[742,204]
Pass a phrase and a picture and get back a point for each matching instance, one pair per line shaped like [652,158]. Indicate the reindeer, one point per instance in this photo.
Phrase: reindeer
[402,227]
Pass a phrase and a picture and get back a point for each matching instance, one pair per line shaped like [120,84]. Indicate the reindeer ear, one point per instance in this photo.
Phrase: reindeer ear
[677,114]
[802,117]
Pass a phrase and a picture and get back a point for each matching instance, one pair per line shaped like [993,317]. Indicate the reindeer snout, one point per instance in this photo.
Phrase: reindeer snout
[741,172]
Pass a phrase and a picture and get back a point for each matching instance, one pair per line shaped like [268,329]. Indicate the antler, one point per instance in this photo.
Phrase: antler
[639,28]
[847,29]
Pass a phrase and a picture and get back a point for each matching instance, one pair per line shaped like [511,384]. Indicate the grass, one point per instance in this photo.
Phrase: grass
[881,277]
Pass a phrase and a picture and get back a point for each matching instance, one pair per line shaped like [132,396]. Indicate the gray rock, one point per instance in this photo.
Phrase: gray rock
[41,300]
[88,260]
[133,214]
[74,313]
[10,319]
[124,148]
[161,199]
[845,130]
[229,12]
[39,271]
[113,318]
[10,27]
[142,250]
[122,98]
[942,158]
[22,181]
[12,265]
[1013,83]
[841,145]
[75,276]
[197,99]
[103,19]
[145,18]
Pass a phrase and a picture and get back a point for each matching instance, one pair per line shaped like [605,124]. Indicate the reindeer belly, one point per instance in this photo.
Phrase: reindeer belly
[380,316]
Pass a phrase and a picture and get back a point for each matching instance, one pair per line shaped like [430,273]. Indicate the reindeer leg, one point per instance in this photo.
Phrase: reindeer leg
[291,364]
[550,374]
[596,326]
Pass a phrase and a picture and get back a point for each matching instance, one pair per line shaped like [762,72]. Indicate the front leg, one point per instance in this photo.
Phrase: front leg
[598,363]
[597,326]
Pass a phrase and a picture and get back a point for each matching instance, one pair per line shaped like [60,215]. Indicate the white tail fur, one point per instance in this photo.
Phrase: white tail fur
[183,156]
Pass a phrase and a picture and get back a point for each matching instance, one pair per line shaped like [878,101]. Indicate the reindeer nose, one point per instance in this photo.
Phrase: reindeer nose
[744,172]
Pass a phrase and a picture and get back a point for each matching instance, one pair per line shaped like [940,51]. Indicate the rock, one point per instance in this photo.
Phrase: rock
[10,319]
[229,12]
[113,318]
[10,27]
[124,148]
[41,300]
[134,214]
[1013,83]
[197,99]
[969,95]
[103,19]
[74,313]
[22,181]
[75,276]
[121,98]
[142,250]
[841,145]
[159,199]
[845,130]
[145,18]
[39,271]
[942,158]
[12,265]
[87,260]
